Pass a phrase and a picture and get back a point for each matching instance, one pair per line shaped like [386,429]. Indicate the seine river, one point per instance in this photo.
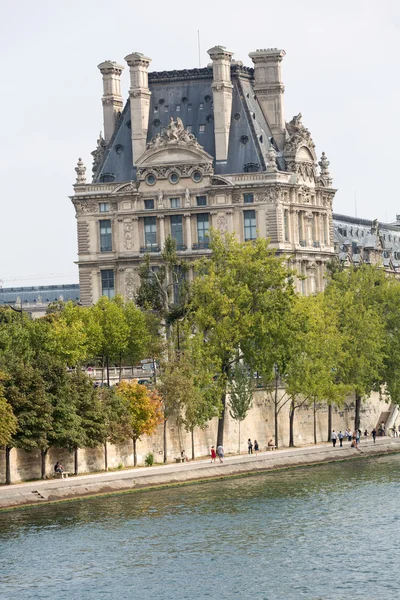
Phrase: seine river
[327,532]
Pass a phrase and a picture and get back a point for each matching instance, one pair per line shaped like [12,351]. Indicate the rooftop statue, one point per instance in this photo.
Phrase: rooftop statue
[175,132]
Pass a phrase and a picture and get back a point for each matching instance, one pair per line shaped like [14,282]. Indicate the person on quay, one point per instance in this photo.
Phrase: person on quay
[373,433]
[334,438]
[366,434]
[220,452]
[348,435]
[341,436]
[256,447]
[250,446]
[213,454]
[58,468]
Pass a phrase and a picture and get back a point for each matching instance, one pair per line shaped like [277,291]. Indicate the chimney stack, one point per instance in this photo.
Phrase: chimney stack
[139,95]
[269,89]
[112,99]
[222,98]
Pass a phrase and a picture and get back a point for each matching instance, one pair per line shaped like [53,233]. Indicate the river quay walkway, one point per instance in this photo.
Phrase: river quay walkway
[41,492]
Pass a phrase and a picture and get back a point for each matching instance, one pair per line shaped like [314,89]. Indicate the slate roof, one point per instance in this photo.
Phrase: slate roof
[43,293]
[187,94]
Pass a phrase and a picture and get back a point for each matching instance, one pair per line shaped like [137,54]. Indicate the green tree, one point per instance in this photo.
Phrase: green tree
[8,421]
[239,295]
[116,416]
[241,391]
[353,294]
[311,373]
[25,391]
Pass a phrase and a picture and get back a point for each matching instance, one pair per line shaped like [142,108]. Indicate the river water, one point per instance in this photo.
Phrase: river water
[326,532]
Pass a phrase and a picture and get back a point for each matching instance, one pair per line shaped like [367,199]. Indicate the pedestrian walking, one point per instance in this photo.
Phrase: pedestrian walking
[341,436]
[250,446]
[213,454]
[334,438]
[256,447]
[348,435]
[373,433]
[220,452]
[366,434]
[358,436]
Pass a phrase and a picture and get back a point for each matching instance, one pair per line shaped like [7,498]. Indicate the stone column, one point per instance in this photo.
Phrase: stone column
[139,95]
[269,89]
[188,231]
[112,99]
[162,231]
[229,214]
[222,97]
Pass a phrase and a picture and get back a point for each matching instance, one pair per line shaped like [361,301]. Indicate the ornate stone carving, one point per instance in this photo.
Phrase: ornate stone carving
[113,206]
[271,194]
[299,136]
[237,197]
[128,235]
[80,173]
[174,132]
[85,207]
[187,197]
[130,286]
[183,169]
[98,154]
[271,157]
[128,189]
[222,224]
[306,194]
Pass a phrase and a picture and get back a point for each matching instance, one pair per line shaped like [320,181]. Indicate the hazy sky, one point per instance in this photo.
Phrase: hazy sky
[341,71]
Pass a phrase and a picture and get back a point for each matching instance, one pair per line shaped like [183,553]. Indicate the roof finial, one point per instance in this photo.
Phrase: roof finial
[80,173]
[324,165]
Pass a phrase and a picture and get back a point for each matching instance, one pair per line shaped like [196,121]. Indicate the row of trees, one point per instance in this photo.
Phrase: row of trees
[240,315]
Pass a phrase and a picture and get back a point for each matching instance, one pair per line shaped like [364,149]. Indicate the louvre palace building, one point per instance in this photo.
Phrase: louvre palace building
[209,147]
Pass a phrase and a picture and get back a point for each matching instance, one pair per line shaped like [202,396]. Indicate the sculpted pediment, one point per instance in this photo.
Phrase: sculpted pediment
[174,145]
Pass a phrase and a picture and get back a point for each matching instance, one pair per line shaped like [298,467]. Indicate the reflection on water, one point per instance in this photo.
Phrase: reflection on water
[315,533]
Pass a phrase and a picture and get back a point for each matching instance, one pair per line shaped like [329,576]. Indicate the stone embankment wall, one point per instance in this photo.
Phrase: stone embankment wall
[258,425]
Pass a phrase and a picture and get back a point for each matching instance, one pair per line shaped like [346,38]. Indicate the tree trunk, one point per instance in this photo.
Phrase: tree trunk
[193,444]
[76,461]
[105,456]
[315,422]
[291,424]
[134,453]
[8,465]
[221,421]
[276,412]
[357,412]
[329,422]
[108,369]
[43,455]
[165,441]
[239,438]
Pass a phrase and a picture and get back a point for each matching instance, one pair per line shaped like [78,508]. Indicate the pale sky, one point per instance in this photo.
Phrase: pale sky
[341,71]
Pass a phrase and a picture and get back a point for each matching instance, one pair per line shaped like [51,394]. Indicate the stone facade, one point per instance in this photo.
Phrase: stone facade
[196,149]
[258,425]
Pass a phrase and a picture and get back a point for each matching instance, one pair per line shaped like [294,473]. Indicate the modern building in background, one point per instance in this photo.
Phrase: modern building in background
[195,149]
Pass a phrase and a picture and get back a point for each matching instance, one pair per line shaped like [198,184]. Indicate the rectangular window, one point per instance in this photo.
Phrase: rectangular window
[201,200]
[104,207]
[249,225]
[150,232]
[201,106]
[107,283]
[189,128]
[166,108]
[149,204]
[248,198]
[202,230]
[286,224]
[175,202]
[202,128]
[177,230]
[105,236]
[178,108]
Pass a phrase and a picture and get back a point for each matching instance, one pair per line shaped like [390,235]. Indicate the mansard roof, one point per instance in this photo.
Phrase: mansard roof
[187,94]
